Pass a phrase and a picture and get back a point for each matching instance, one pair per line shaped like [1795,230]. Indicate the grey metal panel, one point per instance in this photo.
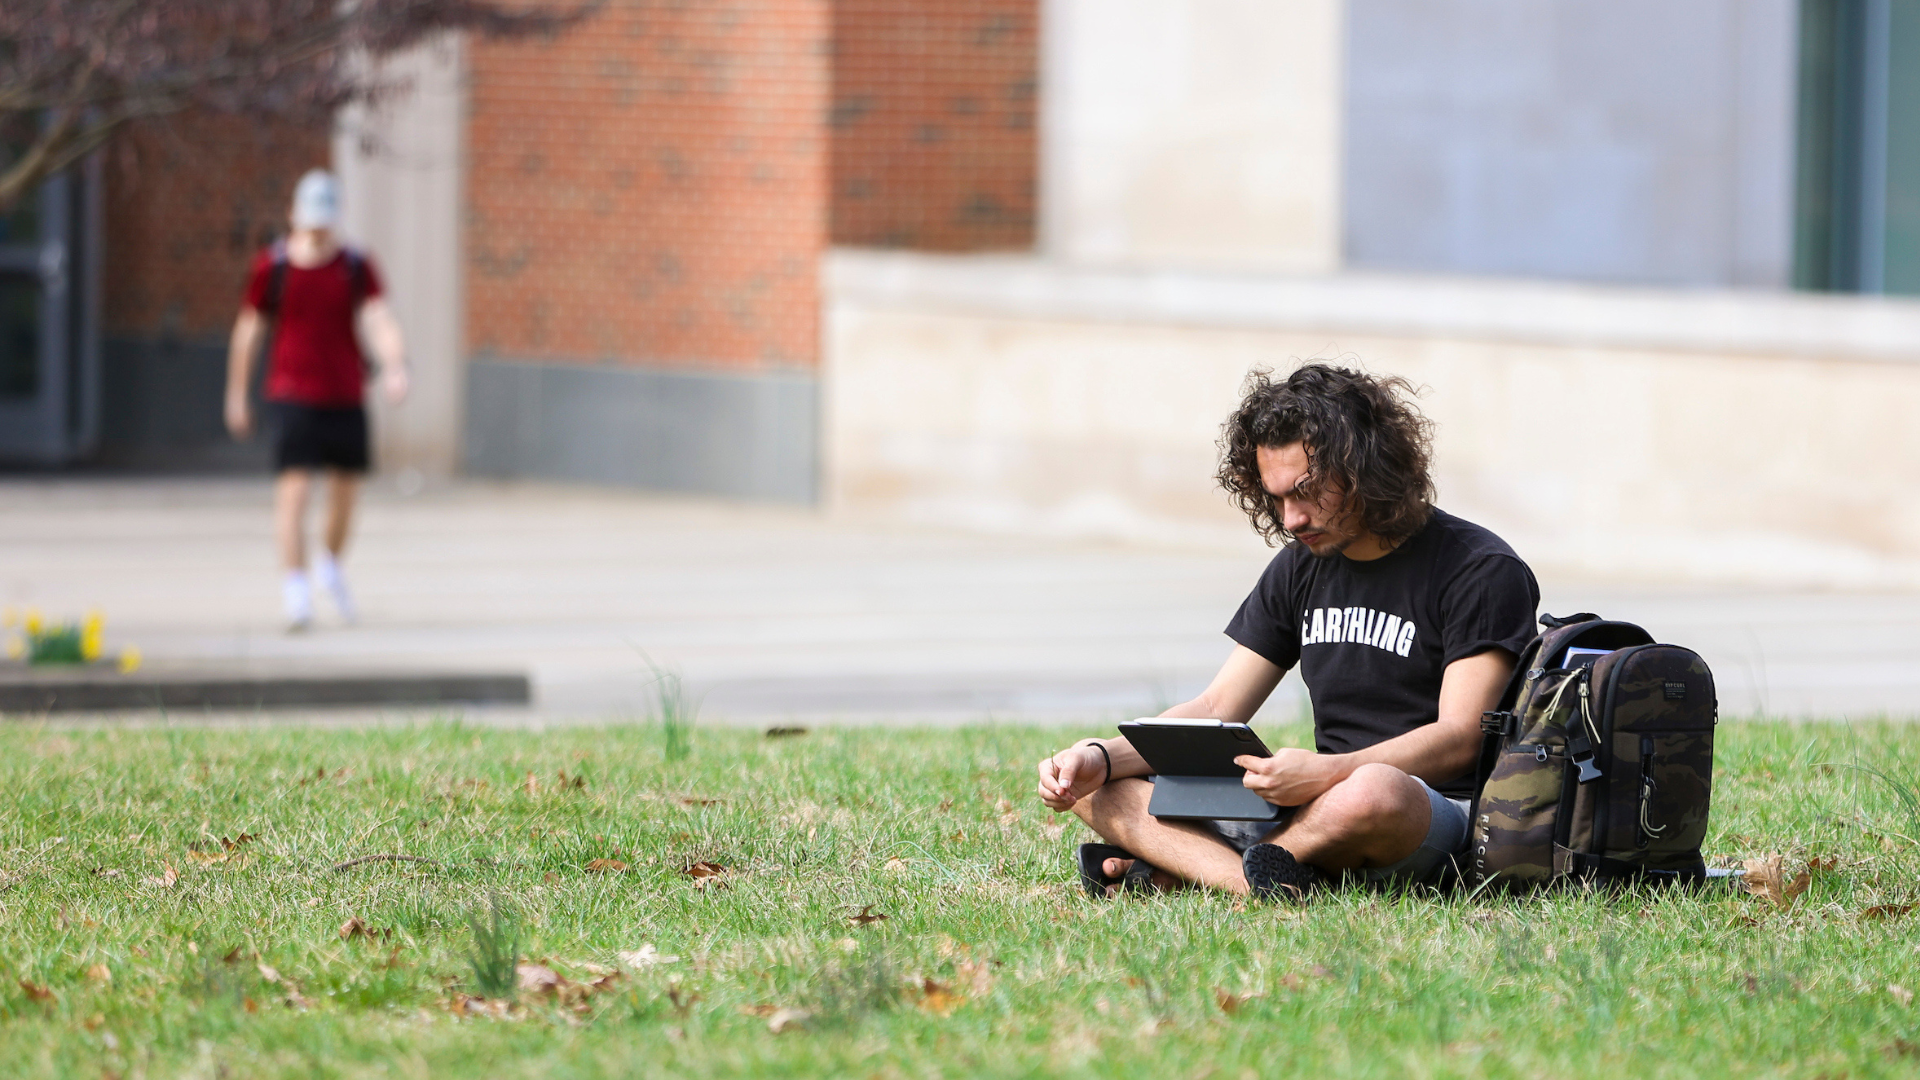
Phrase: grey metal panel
[1616,140]
[161,408]
[750,436]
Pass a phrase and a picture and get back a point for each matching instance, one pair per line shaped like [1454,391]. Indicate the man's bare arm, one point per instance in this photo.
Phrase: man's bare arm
[1235,694]
[242,346]
[381,331]
[1435,753]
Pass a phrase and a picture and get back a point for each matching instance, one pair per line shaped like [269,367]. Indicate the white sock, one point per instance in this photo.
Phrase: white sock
[326,574]
[297,597]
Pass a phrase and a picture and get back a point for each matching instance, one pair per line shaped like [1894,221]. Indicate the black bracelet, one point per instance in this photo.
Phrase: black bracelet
[1100,746]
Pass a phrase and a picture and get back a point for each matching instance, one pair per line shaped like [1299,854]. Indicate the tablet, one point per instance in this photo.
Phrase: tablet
[1194,773]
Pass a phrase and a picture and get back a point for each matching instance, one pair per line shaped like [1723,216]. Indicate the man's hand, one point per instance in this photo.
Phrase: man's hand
[1291,777]
[394,380]
[1071,775]
[239,416]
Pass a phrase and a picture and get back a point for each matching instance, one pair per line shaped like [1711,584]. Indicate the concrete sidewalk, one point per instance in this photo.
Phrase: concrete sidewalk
[775,614]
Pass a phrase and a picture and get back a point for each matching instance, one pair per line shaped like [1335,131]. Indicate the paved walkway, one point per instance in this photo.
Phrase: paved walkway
[776,613]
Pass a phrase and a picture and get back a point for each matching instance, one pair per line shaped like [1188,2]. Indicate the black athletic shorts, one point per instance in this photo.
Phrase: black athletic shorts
[319,437]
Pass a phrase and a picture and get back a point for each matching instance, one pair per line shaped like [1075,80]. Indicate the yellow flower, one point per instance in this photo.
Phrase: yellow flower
[129,660]
[89,645]
[33,623]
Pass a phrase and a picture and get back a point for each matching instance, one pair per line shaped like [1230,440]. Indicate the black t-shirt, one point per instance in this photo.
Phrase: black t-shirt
[1373,638]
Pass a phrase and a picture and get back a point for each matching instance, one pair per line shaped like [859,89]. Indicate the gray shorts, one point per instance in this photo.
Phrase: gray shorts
[1442,850]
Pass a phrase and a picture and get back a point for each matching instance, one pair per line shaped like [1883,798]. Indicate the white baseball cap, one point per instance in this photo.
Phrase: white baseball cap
[316,201]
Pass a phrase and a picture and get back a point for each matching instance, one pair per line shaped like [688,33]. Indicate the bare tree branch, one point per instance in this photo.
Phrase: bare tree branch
[73,72]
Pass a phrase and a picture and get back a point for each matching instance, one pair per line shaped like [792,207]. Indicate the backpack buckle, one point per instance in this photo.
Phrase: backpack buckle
[1496,722]
[1580,752]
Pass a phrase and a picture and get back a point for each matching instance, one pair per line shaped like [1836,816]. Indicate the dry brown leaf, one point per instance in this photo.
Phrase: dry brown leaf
[357,927]
[1901,1048]
[249,1004]
[100,973]
[895,865]
[531,785]
[268,973]
[1826,865]
[575,782]
[866,916]
[682,999]
[103,872]
[644,957]
[468,1005]
[936,998]
[695,800]
[977,974]
[166,880]
[539,979]
[606,866]
[707,874]
[232,957]
[1767,879]
[1900,993]
[1230,1002]
[36,992]
[787,1020]
[1880,912]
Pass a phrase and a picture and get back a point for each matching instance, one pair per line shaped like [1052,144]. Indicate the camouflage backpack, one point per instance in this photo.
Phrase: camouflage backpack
[1598,764]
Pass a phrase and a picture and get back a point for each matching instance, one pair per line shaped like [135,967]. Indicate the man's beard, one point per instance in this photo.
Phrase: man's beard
[1339,546]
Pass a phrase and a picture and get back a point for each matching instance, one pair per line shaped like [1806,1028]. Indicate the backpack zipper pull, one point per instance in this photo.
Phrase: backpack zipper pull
[1579,747]
[1648,830]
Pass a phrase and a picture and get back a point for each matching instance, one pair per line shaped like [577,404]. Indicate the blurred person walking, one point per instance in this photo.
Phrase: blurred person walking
[318,298]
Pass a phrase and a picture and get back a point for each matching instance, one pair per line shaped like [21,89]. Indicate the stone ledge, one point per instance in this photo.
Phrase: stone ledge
[101,688]
[1722,321]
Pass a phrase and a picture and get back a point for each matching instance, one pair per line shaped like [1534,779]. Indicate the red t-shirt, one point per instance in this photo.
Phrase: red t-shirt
[316,354]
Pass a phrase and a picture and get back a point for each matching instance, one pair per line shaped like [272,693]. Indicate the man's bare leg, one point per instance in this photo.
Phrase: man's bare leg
[1118,812]
[1376,817]
[342,488]
[289,517]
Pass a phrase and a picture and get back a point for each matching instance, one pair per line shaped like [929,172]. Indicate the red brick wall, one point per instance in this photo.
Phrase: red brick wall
[933,123]
[651,186]
[188,203]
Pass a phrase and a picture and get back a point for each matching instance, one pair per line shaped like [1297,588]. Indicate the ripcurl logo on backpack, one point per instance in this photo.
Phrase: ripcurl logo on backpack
[1598,764]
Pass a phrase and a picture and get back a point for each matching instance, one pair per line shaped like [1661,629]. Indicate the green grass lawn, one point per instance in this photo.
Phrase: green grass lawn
[989,959]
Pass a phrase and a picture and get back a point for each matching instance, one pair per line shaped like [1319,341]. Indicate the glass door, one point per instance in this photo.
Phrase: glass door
[48,338]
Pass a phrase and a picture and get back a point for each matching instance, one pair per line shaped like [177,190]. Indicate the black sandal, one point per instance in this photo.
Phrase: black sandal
[1093,871]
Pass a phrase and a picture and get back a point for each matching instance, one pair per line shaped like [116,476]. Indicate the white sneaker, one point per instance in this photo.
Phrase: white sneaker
[326,574]
[296,598]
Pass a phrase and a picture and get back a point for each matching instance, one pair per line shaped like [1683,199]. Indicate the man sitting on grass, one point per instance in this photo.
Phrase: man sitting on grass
[1405,621]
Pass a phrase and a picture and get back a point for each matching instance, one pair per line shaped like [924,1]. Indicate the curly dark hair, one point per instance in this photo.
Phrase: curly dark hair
[1363,436]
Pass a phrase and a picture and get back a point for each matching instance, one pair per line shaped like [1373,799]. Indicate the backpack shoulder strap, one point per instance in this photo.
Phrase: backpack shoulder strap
[361,286]
[276,279]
